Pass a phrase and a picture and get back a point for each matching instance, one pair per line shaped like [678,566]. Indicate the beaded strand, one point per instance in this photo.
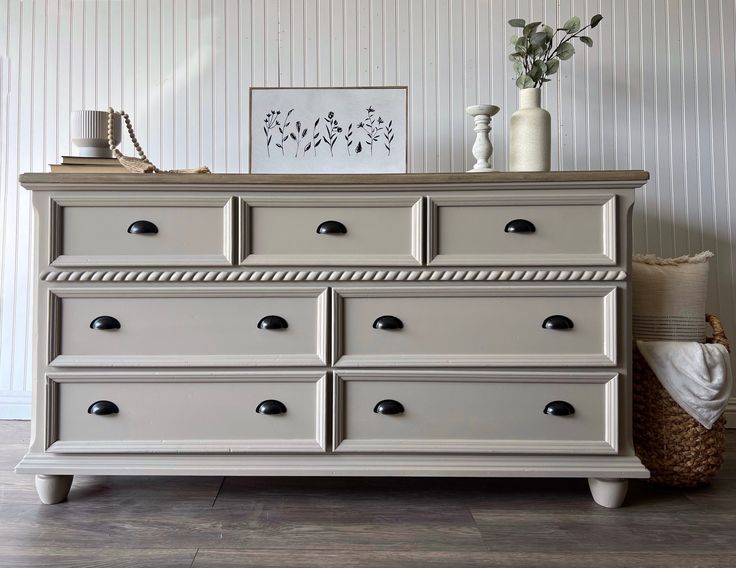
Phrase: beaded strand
[142,164]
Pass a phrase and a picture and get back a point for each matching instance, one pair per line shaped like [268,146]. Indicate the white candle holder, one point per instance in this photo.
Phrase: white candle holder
[482,148]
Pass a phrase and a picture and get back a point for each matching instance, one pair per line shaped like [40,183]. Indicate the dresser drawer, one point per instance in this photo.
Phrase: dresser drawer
[333,230]
[142,231]
[188,413]
[474,326]
[520,229]
[184,327]
[565,413]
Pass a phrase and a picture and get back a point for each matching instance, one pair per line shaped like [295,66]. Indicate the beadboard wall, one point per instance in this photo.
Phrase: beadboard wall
[657,92]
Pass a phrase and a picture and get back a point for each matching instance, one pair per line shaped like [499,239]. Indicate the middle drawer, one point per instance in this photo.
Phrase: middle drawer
[176,327]
[523,325]
[370,230]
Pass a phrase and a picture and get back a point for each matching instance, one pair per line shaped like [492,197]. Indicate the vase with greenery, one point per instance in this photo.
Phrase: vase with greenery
[538,50]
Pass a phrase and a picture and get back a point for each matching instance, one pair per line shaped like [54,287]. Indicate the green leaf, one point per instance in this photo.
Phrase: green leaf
[552,66]
[530,27]
[572,25]
[586,40]
[565,51]
[517,23]
[539,39]
[525,82]
[518,68]
[536,72]
[535,52]
[514,39]
[595,20]
[549,31]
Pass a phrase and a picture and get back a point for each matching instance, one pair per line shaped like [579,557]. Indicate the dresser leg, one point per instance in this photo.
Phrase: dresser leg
[608,492]
[53,489]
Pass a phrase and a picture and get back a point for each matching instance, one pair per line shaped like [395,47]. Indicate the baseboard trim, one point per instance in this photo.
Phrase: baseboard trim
[731,414]
[15,406]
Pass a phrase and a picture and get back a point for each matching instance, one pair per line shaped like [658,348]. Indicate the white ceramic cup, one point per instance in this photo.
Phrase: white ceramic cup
[89,133]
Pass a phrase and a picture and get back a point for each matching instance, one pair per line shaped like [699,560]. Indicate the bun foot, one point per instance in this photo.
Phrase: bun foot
[608,492]
[53,489]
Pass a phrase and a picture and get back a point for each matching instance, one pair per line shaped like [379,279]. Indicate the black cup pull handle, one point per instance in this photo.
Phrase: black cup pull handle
[271,407]
[103,408]
[389,407]
[104,322]
[559,408]
[557,322]
[331,228]
[272,322]
[388,322]
[142,228]
[520,226]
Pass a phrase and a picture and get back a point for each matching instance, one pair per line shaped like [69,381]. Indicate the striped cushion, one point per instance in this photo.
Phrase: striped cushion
[669,297]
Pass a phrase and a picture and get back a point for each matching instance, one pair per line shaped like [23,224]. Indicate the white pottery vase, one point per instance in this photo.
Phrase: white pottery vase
[531,127]
[89,133]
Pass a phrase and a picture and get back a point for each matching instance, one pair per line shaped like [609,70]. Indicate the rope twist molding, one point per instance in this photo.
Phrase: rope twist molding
[330,275]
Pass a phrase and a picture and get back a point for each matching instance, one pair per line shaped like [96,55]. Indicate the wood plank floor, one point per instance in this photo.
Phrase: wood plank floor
[209,522]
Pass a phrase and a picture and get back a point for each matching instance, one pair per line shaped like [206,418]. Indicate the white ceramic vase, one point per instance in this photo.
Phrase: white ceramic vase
[531,127]
[89,133]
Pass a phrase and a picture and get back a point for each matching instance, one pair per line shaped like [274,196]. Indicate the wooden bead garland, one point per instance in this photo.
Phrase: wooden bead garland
[141,164]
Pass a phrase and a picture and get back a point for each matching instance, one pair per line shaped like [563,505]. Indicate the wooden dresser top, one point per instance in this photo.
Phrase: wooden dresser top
[464,181]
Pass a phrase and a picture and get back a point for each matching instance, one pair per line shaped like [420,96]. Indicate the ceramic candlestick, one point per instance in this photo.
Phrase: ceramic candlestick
[482,148]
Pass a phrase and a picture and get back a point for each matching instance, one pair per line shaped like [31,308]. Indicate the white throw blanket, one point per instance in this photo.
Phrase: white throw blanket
[696,375]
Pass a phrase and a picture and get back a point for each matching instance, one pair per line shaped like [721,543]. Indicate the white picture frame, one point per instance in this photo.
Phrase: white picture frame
[335,130]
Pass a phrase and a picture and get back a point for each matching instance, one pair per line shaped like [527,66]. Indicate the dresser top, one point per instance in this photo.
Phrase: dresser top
[296,182]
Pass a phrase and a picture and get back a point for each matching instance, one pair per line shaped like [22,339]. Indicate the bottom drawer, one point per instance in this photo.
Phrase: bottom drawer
[476,412]
[164,413]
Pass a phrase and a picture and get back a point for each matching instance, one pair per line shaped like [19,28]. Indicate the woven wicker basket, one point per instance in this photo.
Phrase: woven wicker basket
[676,448]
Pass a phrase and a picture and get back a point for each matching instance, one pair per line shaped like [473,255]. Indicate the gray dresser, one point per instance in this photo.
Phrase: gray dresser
[372,325]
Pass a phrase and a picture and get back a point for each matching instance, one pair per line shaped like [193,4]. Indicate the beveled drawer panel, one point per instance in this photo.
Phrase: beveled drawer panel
[522,229]
[474,326]
[467,411]
[254,412]
[176,327]
[141,230]
[331,230]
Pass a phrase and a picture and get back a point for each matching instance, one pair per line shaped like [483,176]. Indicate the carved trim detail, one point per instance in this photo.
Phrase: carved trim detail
[331,275]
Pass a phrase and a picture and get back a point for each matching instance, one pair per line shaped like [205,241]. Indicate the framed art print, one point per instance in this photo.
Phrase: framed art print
[328,130]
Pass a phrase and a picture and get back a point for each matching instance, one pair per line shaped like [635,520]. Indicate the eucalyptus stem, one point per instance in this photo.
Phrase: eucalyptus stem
[536,56]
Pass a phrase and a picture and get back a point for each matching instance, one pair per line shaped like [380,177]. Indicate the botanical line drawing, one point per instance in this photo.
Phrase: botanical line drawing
[388,136]
[332,129]
[282,131]
[271,121]
[371,126]
[349,136]
[298,135]
[315,139]
[374,127]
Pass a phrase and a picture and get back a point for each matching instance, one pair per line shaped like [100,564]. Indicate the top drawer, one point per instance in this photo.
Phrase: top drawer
[331,230]
[183,230]
[516,229]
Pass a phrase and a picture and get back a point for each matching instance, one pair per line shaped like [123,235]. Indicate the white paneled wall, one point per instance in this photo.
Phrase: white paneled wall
[658,91]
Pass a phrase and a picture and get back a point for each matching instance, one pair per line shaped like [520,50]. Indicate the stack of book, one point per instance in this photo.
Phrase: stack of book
[84,165]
